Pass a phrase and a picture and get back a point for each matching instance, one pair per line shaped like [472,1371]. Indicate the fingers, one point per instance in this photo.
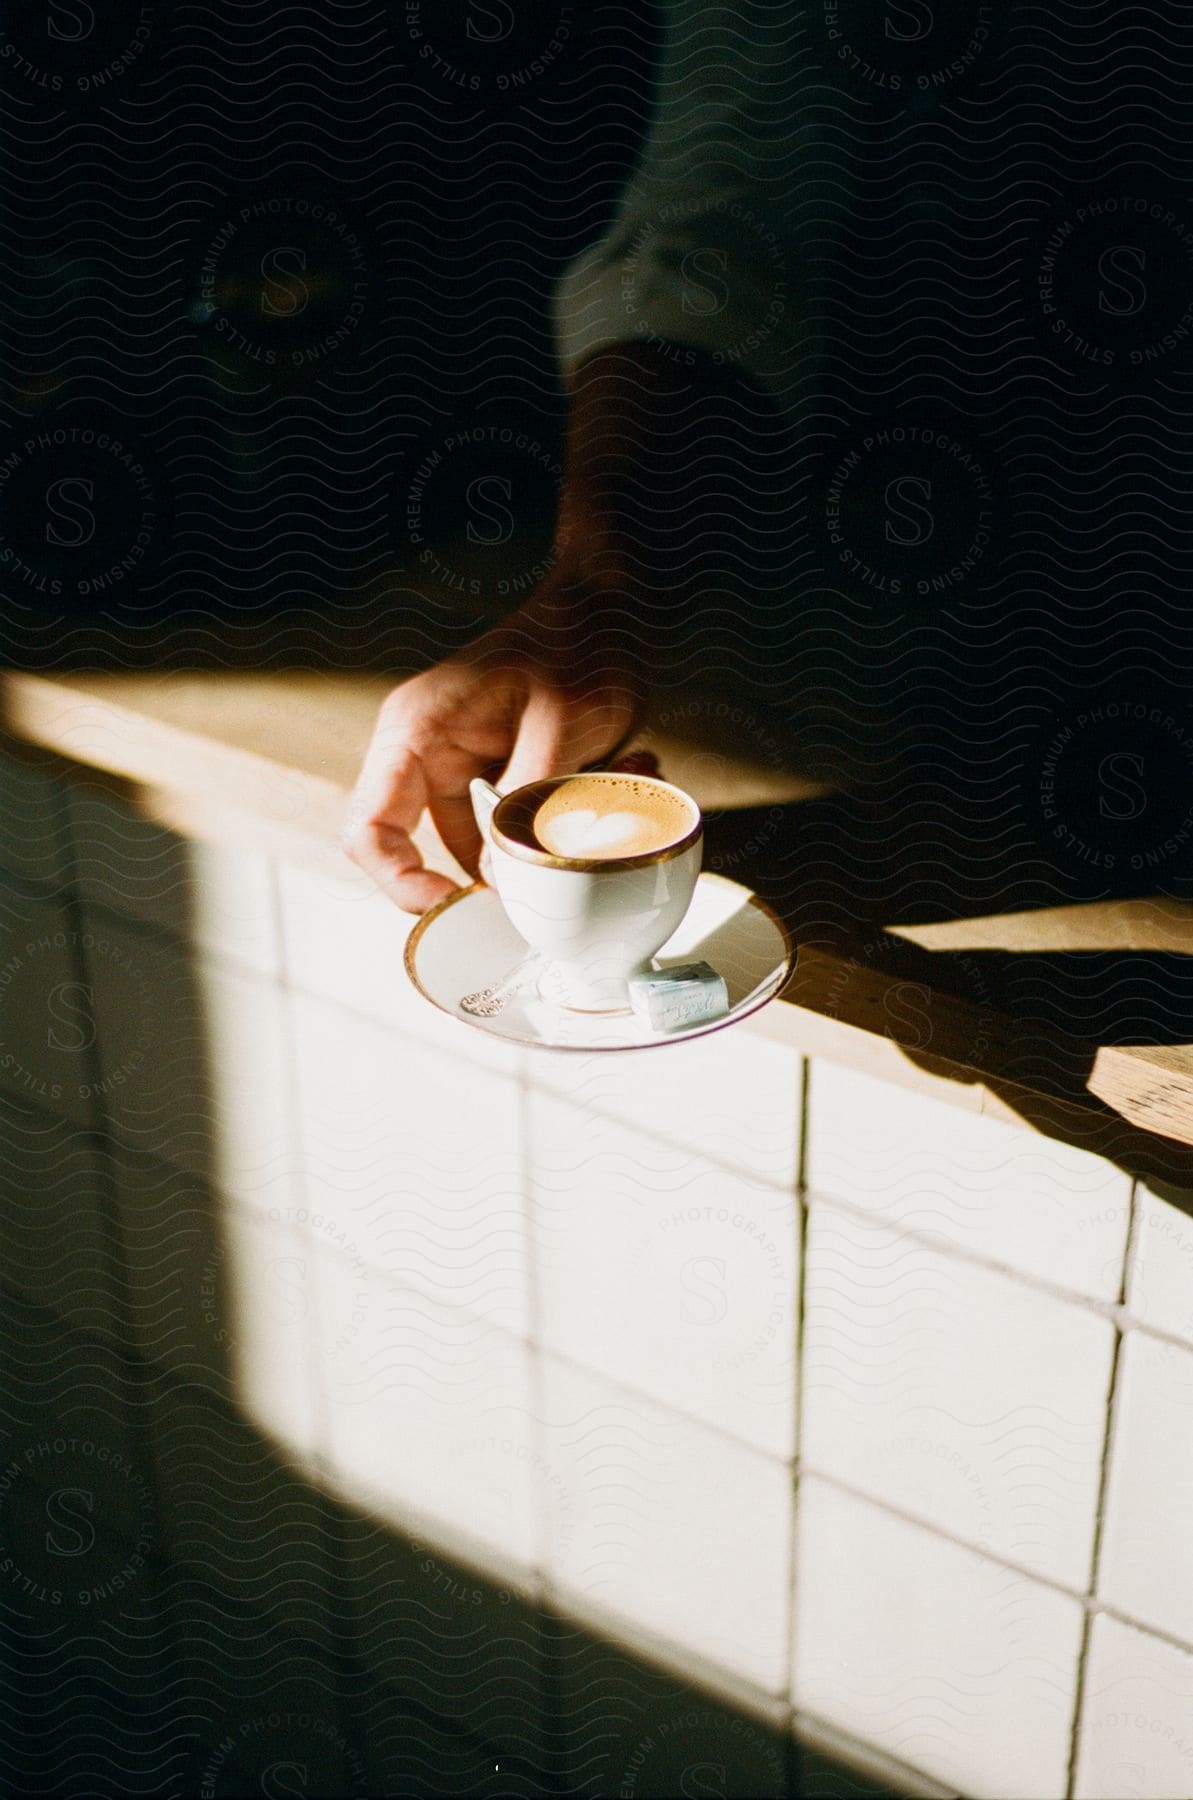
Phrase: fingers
[459,720]
[384,810]
[456,824]
[540,745]
[559,734]
[398,872]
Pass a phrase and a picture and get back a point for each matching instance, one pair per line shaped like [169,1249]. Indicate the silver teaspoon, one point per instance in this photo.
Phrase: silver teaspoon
[487,1002]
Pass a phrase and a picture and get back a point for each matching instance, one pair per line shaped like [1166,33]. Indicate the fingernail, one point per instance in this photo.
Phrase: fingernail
[637,762]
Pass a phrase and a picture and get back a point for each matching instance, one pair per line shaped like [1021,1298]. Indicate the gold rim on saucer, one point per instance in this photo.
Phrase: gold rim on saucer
[423,925]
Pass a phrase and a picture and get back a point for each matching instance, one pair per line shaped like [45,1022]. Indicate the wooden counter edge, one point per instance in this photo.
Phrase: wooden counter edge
[1133,1104]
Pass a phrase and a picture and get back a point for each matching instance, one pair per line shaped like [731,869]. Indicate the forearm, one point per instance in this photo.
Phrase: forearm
[660,445]
[643,420]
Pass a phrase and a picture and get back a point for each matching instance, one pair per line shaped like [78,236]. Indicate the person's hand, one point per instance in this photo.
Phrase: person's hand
[559,684]
[552,689]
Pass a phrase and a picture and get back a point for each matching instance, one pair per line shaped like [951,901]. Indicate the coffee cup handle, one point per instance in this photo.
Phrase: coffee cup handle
[484,803]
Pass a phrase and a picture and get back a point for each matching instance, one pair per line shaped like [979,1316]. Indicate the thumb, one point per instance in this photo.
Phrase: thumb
[541,748]
[552,738]
[560,733]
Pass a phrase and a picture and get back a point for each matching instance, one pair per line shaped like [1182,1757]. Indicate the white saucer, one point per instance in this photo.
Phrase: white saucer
[466,943]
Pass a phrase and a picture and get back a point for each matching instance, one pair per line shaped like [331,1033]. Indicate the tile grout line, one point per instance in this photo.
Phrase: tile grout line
[551,1750]
[105,1145]
[721,1164]
[103,1134]
[794,1753]
[335,1540]
[1090,1603]
[186,941]
[295,1182]
[1099,1609]
[1112,1310]
[534,1332]
[941,1532]
[1112,1411]
[663,1405]
[1115,1311]
[722,1432]
[872,1752]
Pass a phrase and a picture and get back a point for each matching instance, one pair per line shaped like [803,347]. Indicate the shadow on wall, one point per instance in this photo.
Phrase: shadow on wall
[929,937]
[193,1599]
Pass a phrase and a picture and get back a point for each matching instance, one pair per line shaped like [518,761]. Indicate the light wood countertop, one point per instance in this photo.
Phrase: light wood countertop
[270,758]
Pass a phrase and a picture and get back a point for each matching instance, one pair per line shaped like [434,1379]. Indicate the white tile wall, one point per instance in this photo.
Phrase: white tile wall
[732,1099]
[278,1740]
[931,1652]
[241,1512]
[1040,1207]
[34,840]
[79,1501]
[863,1761]
[977,1404]
[171,1233]
[56,1223]
[667,1525]
[1147,1546]
[268,1312]
[226,1116]
[543,1312]
[1160,1284]
[452,1644]
[670,1274]
[47,1016]
[343,938]
[1136,1734]
[222,898]
[429,1412]
[627,1730]
[346,943]
[415,1159]
[221,1296]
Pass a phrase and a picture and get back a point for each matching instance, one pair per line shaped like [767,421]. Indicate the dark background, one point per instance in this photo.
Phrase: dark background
[467,161]
[279,484]
[313,411]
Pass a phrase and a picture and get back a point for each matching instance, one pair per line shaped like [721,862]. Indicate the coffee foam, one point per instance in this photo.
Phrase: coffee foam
[598,818]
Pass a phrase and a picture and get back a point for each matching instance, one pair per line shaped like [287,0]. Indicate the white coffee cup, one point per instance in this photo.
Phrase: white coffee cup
[596,919]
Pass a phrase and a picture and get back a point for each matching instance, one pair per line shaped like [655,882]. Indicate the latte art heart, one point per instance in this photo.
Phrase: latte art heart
[585,833]
[601,817]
